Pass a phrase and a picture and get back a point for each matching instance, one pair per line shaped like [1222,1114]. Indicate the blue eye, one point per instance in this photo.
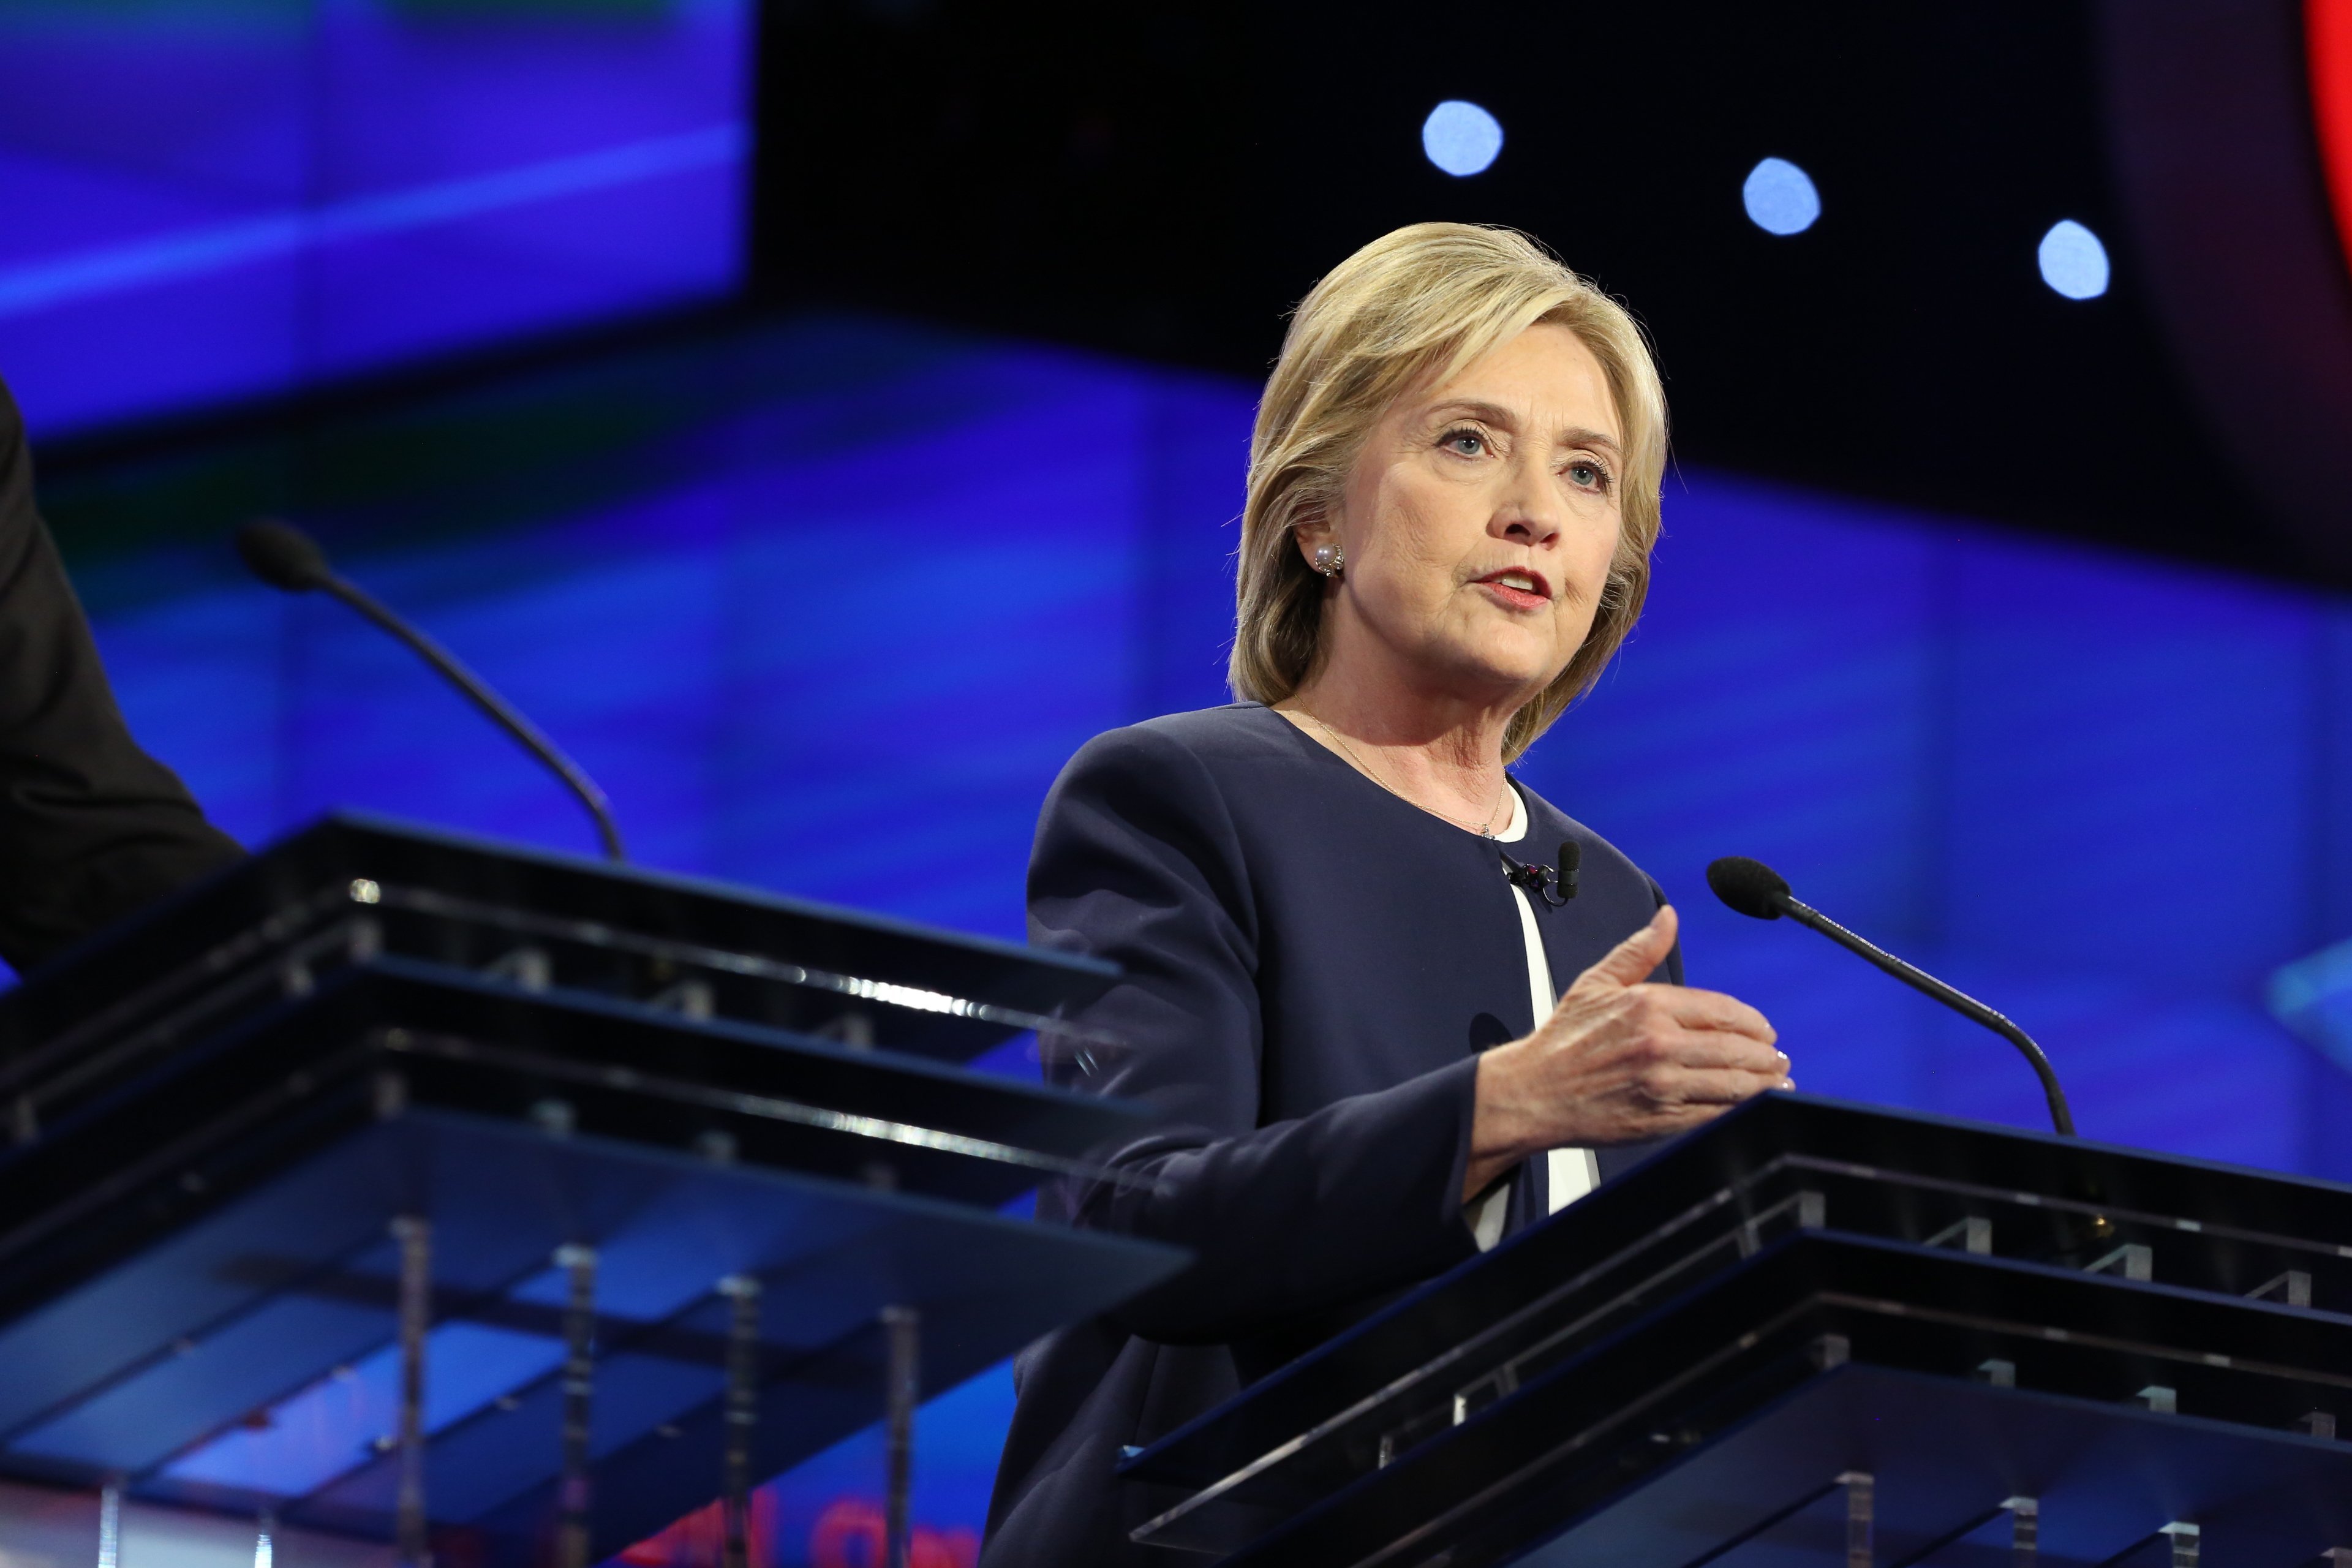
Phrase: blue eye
[1464,443]
[1591,475]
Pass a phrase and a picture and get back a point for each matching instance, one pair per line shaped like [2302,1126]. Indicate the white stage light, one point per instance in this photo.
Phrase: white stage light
[2073,262]
[1781,197]
[1461,138]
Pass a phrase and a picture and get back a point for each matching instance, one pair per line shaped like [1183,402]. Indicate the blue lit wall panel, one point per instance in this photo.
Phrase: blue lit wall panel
[561,163]
[221,199]
[192,101]
[842,647]
[86,356]
[2186,1070]
[2139,741]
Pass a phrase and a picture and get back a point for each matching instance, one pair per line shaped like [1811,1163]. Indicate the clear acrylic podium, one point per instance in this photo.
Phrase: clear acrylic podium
[411,1187]
[1817,1334]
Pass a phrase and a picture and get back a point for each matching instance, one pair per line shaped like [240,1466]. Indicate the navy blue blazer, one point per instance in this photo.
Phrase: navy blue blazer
[1312,966]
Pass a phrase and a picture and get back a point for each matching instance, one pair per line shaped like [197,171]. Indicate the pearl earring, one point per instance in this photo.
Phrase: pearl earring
[1330,560]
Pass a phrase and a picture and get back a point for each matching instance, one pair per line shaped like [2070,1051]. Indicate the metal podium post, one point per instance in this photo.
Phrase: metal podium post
[415,1235]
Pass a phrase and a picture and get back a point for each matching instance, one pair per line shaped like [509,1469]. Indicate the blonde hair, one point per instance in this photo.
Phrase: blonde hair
[1423,302]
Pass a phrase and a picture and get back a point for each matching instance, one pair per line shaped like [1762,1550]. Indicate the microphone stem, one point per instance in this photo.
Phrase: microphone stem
[500,712]
[1959,1002]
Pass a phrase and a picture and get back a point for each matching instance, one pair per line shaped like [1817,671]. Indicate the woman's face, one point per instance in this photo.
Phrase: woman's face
[1479,522]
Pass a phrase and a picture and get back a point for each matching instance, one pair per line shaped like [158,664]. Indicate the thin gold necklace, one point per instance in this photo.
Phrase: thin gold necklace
[1485,829]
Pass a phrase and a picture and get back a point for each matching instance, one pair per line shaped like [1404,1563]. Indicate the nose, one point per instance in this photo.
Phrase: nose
[1530,509]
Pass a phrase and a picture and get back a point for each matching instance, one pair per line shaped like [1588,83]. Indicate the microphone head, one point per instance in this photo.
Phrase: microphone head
[282,555]
[1749,886]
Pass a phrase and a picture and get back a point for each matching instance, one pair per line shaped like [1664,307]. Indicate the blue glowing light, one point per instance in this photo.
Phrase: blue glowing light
[184,252]
[337,1423]
[1781,197]
[1461,138]
[2073,262]
[207,207]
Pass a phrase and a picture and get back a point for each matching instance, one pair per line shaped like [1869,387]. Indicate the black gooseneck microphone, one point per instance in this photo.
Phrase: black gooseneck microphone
[285,557]
[1755,889]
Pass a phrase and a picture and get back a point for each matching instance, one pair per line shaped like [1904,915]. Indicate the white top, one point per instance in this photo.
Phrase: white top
[1569,1173]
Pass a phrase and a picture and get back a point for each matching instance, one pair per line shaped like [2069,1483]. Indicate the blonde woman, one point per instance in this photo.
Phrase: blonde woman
[1341,920]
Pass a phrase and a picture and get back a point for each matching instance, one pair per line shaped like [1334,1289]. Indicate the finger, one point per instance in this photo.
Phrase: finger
[1631,961]
[1720,1049]
[1713,1086]
[1697,1009]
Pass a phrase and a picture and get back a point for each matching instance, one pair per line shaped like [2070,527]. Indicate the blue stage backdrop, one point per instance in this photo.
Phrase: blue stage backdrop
[831,604]
[227,199]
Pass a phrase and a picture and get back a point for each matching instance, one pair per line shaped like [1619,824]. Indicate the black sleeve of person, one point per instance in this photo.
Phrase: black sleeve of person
[92,828]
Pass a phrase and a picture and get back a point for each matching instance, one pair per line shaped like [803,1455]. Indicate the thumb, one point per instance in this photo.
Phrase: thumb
[1630,960]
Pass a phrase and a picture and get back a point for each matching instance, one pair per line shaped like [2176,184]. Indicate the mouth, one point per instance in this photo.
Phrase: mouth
[1518,588]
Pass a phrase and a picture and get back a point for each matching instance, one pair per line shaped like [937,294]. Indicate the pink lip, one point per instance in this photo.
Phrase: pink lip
[1517,598]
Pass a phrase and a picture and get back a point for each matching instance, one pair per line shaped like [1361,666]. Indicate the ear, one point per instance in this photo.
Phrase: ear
[1313,528]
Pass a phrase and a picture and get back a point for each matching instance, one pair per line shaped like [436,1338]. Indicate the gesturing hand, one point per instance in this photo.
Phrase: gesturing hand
[1618,1061]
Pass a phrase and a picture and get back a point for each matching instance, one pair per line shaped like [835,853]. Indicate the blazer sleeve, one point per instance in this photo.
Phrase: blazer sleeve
[92,828]
[1138,861]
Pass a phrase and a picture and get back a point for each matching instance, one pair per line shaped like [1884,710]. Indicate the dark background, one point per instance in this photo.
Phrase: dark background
[1168,179]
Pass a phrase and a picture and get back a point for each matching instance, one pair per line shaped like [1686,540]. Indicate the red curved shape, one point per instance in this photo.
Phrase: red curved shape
[2218,110]
[2327,46]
